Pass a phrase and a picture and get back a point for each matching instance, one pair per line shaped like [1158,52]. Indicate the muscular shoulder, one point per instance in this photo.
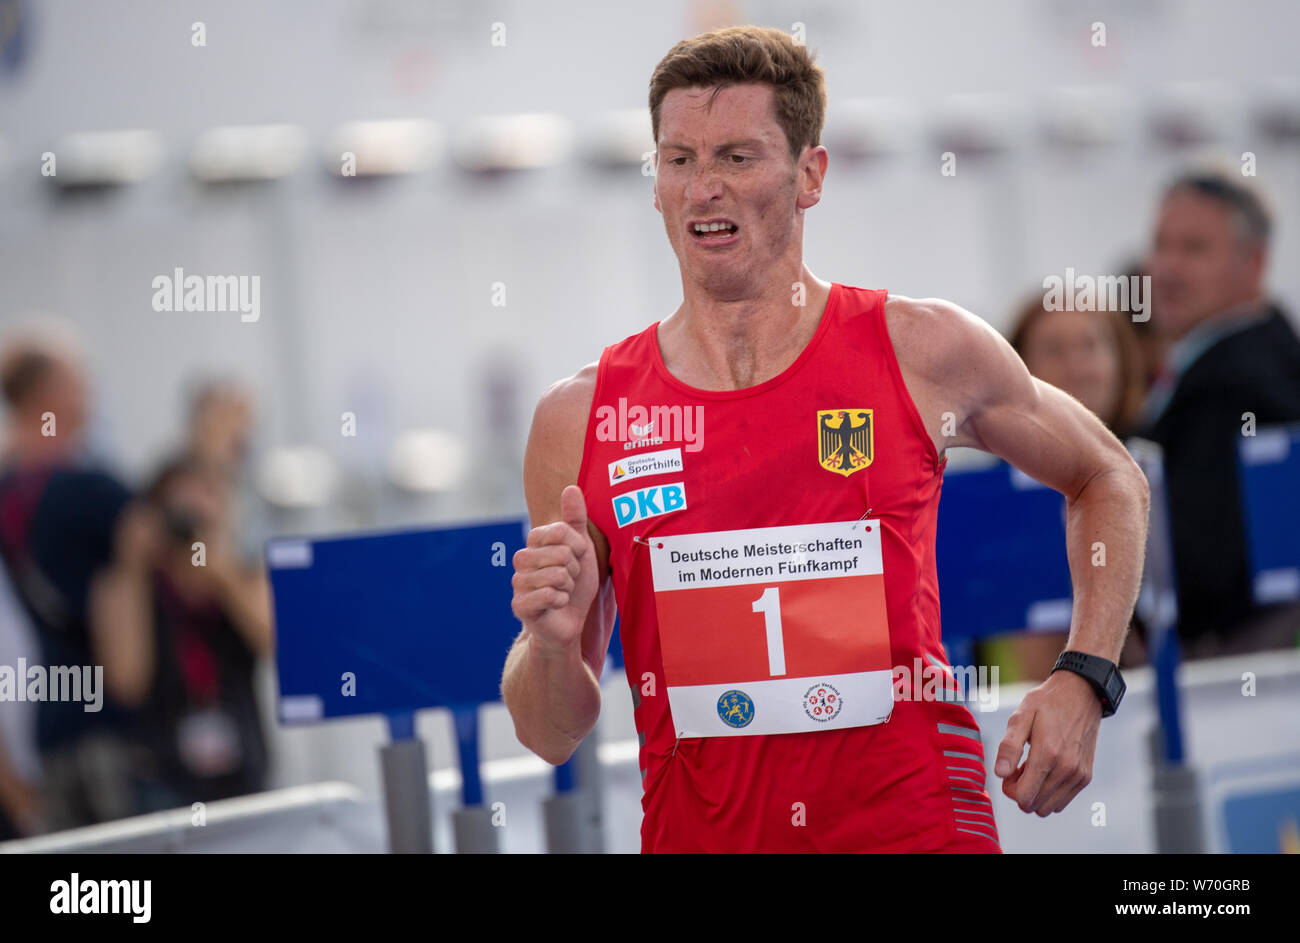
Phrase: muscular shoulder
[554,454]
[560,421]
[947,347]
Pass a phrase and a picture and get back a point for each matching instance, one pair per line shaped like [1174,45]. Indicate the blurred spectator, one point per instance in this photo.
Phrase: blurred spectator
[1233,353]
[57,516]
[1093,356]
[182,622]
[220,433]
[220,427]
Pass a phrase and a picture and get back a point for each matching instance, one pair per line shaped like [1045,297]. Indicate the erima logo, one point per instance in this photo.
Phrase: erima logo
[663,462]
[642,432]
[649,502]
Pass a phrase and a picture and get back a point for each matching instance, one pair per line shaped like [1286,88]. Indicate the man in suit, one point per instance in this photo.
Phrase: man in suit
[1233,355]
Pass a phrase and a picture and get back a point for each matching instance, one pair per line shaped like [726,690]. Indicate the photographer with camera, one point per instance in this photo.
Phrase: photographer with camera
[181,622]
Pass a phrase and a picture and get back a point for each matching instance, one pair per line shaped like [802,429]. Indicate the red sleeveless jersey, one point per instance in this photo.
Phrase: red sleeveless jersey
[739,485]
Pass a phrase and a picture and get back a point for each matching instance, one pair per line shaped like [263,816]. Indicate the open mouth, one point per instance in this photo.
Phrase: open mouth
[714,232]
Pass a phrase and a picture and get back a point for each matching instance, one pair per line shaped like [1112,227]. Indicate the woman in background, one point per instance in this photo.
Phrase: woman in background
[182,623]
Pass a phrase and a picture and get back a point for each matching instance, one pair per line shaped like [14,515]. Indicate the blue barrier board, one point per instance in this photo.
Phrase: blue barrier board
[1269,465]
[1001,555]
[393,623]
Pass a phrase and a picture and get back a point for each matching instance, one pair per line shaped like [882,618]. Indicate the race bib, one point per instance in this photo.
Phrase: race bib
[773,629]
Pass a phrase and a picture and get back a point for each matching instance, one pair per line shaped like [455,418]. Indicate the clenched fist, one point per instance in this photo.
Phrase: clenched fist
[556,576]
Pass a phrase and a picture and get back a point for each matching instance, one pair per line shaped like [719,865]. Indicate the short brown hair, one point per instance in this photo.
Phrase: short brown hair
[174,468]
[1253,217]
[23,372]
[744,54]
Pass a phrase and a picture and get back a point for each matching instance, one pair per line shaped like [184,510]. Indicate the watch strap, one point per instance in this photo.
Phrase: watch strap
[1102,674]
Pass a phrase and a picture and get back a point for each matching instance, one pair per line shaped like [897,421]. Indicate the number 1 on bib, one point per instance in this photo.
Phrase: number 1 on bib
[819,659]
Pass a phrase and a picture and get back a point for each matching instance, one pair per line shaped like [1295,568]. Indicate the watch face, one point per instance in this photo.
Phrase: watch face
[1115,687]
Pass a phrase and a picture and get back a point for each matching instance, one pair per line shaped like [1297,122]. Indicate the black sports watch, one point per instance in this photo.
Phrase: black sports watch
[1103,675]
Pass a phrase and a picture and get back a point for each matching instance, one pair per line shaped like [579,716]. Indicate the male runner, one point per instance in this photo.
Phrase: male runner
[755,481]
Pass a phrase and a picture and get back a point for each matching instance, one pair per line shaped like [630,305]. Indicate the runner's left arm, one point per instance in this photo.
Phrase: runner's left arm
[1054,439]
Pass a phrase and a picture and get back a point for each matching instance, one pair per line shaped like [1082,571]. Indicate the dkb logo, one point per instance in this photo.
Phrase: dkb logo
[649,502]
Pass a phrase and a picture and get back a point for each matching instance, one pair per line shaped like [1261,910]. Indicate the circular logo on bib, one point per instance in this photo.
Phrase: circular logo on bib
[736,709]
[822,702]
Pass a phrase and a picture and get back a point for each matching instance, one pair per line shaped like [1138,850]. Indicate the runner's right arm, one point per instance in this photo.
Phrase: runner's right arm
[563,594]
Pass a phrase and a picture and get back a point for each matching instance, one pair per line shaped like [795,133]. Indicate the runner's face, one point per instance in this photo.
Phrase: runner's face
[726,160]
